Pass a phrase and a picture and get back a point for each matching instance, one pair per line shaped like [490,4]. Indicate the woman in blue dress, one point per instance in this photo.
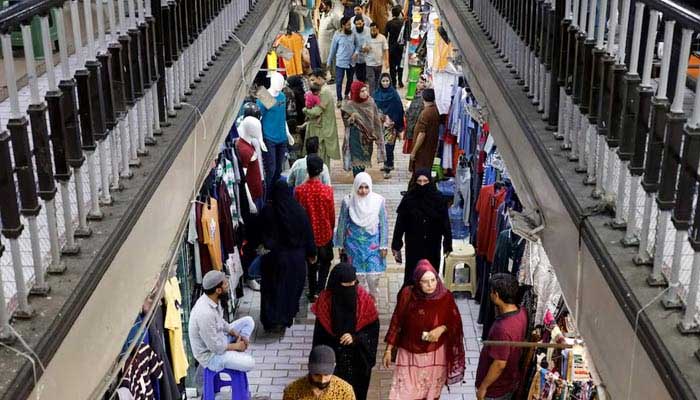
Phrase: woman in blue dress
[362,234]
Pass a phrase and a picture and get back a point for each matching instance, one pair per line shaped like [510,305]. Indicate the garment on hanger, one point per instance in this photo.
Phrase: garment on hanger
[193,239]
[173,323]
[141,369]
[167,387]
[294,42]
[211,233]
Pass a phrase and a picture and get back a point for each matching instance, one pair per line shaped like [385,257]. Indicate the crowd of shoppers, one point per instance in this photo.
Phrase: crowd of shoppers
[298,231]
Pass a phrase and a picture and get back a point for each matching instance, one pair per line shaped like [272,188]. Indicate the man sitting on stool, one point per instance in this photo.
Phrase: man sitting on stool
[216,344]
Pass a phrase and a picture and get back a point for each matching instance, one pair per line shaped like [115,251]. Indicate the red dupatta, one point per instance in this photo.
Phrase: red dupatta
[365,314]
[417,312]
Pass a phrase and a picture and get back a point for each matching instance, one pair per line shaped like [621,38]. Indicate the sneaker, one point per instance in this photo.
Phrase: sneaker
[400,85]
[253,285]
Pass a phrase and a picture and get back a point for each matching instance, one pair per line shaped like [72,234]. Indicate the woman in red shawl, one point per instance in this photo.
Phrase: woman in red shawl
[428,358]
[348,322]
[363,127]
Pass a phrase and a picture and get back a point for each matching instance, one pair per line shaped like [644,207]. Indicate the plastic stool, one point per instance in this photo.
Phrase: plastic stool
[462,253]
[213,384]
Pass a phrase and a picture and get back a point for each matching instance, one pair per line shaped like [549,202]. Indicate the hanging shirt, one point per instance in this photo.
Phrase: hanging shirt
[295,43]
[487,207]
[246,151]
[143,366]
[192,238]
[274,120]
[173,323]
[211,235]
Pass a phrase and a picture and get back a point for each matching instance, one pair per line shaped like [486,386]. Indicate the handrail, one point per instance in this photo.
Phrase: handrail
[11,17]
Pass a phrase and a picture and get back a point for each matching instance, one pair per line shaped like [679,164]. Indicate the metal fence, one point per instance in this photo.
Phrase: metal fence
[80,128]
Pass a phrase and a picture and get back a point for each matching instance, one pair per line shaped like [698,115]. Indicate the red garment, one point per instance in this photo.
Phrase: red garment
[365,314]
[487,207]
[414,315]
[317,199]
[355,89]
[422,268]
[508,327]
[253,177]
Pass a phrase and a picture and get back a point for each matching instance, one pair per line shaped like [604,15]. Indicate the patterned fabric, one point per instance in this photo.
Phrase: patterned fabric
[317,199]
[141,369]
[361,247]
[419,375]
[301,389]
[225,172]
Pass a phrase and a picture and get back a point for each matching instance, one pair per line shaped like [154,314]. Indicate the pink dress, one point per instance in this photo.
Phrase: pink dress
[419,375]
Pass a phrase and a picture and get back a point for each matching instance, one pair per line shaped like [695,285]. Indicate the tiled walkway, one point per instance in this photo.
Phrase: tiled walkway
[282,358]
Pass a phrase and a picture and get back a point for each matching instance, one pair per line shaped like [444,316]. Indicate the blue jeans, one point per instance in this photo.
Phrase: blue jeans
[236,360]
[273,160]
[339,74]
[389,163]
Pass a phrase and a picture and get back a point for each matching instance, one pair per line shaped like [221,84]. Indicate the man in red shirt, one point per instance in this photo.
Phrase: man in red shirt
[498,373]
[317,200]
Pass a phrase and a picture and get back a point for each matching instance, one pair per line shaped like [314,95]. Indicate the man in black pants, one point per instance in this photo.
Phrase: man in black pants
[393,31]
[317,199]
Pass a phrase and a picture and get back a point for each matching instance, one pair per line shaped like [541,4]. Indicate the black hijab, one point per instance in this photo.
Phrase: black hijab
[423,200]
[283,218]
[343,298]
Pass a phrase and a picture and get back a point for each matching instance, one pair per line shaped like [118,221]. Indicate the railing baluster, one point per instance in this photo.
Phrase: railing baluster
[655,144]
[642,137]
[40,138]
[629,126]
[5,335]
[68,86]
[619,100]
[12,228]
[688,186]
[29,206]
[58,120]
[673,148]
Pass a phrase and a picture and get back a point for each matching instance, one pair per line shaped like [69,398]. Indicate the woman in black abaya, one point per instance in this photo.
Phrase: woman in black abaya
[286,233]
[348,322]
[423,220]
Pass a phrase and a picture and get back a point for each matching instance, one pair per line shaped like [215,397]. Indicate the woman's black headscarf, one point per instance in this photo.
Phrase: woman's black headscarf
[425,199]
[283,218]
[343,298]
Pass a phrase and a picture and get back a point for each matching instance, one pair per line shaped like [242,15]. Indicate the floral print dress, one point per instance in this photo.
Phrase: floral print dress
[362,247]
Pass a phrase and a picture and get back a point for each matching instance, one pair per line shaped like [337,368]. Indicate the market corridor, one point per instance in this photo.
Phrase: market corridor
[282,358]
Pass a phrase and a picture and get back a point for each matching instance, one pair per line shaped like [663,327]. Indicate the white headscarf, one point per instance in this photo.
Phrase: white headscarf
[364,211]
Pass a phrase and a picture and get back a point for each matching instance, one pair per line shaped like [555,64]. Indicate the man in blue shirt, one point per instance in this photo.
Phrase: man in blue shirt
[362,39]
[344,50]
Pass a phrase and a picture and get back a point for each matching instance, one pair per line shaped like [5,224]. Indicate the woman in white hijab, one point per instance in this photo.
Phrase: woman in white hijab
[362,233]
